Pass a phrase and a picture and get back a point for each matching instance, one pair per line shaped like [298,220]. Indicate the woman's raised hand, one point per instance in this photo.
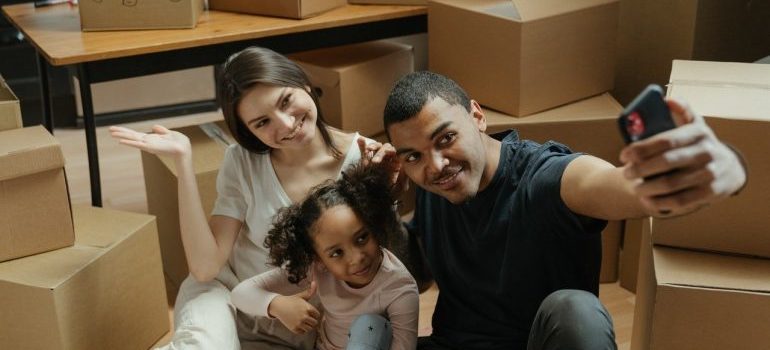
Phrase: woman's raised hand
[160,141]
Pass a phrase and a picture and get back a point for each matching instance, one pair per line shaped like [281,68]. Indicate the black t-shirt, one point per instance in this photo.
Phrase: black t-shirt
[497,256]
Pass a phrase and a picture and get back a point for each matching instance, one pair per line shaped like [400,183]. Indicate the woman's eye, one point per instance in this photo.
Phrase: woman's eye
[412,157]
[336,254]
[260,123]
[286,101]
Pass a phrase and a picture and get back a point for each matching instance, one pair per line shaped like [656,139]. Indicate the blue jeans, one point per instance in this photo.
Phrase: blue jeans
[370,332]
[567,319]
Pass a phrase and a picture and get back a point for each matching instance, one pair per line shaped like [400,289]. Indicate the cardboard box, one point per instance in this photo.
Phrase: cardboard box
[389,2]
[735,98]
[651,33]
[694,300]
[106,292]
[34,202]
[629,253]
[588,126]
[96,15]
[154,90]
[297,9]
[355,81]
[524,56]
[160,178]
[10,111]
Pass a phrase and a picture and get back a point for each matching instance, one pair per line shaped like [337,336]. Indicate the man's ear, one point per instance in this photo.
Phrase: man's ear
[478,116]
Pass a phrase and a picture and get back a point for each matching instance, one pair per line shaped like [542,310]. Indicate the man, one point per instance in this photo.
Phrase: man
[510,229]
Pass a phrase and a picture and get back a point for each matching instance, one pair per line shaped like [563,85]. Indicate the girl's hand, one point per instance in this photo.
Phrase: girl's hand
[161,141]
[295,312]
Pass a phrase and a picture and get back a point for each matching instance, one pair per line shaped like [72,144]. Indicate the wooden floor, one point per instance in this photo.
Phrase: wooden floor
[123,188]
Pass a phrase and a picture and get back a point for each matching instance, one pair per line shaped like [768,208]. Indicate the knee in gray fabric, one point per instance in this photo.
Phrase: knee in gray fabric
[579,319]
[370,332]
[571,303]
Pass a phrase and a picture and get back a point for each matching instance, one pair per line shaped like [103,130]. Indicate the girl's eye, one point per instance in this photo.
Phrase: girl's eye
[411,157]
[336,254]
[362,238]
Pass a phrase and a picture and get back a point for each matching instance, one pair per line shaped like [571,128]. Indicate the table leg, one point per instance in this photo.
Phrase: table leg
[90,129]
[45,93]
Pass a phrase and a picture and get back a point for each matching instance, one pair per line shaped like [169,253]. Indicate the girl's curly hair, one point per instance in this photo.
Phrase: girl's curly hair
[367,190]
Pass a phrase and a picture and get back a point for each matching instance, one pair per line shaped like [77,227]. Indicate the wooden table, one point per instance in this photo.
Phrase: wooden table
[55,33]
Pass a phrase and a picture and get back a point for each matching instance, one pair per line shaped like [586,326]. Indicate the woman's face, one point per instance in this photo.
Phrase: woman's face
[280,116]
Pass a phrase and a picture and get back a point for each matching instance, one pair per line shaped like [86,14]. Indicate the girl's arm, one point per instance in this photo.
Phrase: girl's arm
[403,314]
[271,294]
[207,245]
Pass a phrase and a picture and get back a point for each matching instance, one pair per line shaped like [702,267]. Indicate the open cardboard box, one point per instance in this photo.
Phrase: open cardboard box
[524,56]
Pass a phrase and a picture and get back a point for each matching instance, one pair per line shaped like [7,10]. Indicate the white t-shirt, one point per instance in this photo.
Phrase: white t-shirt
[248,190]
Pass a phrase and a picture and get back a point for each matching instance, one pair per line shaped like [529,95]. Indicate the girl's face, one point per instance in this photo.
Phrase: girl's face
[347,249]
[280,116]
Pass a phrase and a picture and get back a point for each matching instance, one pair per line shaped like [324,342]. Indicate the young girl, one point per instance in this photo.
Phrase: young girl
[284,148]
[330,245]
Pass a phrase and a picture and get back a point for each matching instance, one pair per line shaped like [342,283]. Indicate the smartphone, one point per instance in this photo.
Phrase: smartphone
[645,116]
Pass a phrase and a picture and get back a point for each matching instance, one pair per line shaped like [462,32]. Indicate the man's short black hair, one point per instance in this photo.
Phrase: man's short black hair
[414,90]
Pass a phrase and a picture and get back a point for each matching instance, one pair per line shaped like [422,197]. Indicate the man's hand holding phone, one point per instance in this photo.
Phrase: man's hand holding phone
[680,169]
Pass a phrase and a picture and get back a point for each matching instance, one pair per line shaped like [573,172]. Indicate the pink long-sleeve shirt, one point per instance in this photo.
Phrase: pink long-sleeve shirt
[392,293]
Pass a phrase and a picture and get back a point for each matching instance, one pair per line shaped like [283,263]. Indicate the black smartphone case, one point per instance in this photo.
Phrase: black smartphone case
[646,115]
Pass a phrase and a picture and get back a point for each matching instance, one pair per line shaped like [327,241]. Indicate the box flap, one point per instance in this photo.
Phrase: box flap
[95,230]
[531,10]
[723,89]
[708,270]
[593,108]
[28,151]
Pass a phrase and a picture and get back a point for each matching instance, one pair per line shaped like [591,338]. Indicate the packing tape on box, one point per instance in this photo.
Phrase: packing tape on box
[214,132]
[718,84]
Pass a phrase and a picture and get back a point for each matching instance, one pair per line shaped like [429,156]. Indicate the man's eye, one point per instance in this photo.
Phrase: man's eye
[447,138]
[411,158]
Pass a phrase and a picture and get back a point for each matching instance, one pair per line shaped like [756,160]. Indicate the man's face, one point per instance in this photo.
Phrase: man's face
[441,149]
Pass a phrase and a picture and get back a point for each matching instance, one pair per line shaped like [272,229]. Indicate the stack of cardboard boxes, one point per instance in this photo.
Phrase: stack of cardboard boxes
[70,278]
[705,278]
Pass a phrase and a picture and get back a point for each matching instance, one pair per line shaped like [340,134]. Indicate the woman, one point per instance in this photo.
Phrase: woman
[284,149]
